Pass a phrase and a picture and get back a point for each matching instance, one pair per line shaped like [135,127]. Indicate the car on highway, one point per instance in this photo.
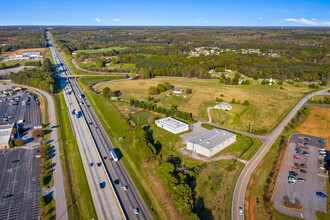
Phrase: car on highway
[116,181]
[99,164]
[303,171]
[303,165]
[136,211]
[91,164]
[125,187]
[322,141]
[296,157]
[102,185]
[104,158]
[240,210]
[321,194]
[301,179]
[81,103]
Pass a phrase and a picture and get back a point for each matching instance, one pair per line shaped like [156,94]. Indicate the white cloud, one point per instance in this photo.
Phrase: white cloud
[260,18]
[97,19]
[313,22]
[203,20]
[116,19]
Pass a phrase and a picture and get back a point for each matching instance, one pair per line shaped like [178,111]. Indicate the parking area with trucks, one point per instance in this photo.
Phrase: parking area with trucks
[302,178]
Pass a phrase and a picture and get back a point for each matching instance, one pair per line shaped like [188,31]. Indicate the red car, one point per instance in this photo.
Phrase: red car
[105,158]
[296,157]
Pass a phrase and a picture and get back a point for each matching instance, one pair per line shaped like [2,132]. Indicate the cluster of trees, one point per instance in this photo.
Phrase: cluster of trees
[4,66]
[40,77]
[177,183]
[141,142]
[325,100]
[33,63]
[162,87]
[168,111]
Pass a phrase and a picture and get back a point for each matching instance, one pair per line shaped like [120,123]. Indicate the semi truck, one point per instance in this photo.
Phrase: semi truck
[114,155]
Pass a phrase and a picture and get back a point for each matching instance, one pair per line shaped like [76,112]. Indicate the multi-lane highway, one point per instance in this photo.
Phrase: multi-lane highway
[243,180]
[128,198]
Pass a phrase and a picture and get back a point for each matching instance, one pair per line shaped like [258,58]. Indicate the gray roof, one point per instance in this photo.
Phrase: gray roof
[172,123]
[5,131]
[212,138]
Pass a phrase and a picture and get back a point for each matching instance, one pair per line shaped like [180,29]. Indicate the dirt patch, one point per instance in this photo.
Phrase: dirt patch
[317,124]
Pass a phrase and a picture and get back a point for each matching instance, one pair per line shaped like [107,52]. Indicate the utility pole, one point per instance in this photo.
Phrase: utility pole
[250,125]
[218,118]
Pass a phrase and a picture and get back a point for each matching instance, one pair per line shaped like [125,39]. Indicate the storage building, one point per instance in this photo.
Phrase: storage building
[172,125]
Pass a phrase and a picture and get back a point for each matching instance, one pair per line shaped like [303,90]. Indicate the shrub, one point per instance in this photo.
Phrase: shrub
[161,88]
[222,95]
[19,142]
[188,91]
[233,101]
[246,103]
[167,85]
[153,90]
[280,83]
[42,201]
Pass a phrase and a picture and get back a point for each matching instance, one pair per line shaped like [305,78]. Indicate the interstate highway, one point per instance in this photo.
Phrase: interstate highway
[130,198]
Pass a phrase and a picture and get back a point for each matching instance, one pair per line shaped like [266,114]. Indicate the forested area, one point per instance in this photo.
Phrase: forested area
[302,52]
[40,77]
[12,38]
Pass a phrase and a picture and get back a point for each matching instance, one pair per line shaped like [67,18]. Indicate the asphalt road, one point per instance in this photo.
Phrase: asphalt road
[130,198]
[21,180]
[242,182]
[59,193]
[104,199]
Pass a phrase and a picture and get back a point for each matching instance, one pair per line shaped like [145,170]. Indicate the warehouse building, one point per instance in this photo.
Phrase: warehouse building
[5,135]
[172,125]
[211,142]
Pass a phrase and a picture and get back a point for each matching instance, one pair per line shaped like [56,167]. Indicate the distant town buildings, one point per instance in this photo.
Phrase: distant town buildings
[223,106]
[26,54]
[211,142]
[172,125]
[206,51]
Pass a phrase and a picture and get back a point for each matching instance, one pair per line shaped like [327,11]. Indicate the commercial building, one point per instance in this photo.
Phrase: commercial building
[211,142]
[172,125]
[5,135]
[26,54]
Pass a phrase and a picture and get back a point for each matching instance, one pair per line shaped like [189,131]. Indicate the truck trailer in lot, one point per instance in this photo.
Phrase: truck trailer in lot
[114,155]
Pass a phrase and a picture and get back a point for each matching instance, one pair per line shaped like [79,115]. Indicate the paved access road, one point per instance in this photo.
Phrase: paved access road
[59,193]
[19,175]
[243,180]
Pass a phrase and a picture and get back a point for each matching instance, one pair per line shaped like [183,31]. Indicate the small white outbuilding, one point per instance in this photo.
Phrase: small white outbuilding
[223,106]
[172,125]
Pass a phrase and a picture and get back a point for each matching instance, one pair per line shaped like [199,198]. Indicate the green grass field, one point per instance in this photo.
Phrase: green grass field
[87,81]
[140,118]
[102,50]
[268,104]
[79,200]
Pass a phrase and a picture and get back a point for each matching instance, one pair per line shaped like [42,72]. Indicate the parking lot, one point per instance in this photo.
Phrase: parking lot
[20,187]
[301,160]
[24,108]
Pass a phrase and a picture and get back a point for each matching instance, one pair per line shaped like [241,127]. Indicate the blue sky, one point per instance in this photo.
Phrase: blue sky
[168,13]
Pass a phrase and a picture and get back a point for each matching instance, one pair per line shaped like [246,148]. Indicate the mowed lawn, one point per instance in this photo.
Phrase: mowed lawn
[102,50]
[268,104]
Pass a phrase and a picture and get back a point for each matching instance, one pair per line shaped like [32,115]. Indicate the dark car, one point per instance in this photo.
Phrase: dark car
[293,173]
[303,171]
[91,164]
[116,181]
[14,161]
[321,194]
[8,196]
[305,153]
[322,141]
[301,179]
[298,149]
[102,185]
[99,164]
[105,157]
[303,165]
[306,139]
[306,144]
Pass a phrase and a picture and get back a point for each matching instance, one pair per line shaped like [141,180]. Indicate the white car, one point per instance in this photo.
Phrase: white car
[136,211]
[240,211]
[322,168]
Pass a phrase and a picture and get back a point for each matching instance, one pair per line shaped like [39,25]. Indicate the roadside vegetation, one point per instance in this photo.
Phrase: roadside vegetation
[263,179]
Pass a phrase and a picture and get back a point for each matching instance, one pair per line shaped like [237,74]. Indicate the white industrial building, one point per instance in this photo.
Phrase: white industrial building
[223,106]
[172,125]
[211,142]
[5,134]
[178,91]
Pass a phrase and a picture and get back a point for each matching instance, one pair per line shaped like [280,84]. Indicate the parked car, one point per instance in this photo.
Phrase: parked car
[306,139]
[303,171]
[306,144]
[298,149]
[322,141]
[301,179]
[322,148]
[291,182]
[305,153]
[322,168]
[303,165]
[321,194]
[296,157]
[292,176]
[8,196]
[5,119]
[293,173]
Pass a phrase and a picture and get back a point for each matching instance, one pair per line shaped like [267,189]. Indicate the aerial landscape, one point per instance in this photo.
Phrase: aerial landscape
[165,110]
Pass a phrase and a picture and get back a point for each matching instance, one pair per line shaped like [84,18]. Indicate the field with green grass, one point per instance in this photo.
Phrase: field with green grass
[79,199]
[268,104]
[87,81]
[102,50]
